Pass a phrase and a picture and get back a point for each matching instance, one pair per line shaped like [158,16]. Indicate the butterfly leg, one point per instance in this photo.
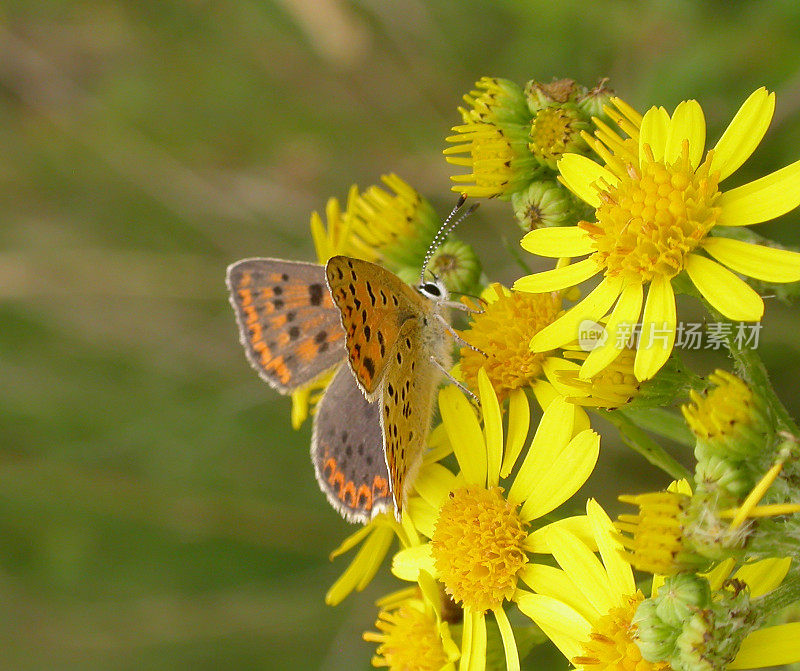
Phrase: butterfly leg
[457,337]
[457,383]
[458,305]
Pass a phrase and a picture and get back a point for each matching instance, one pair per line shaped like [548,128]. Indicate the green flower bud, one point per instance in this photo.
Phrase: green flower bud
[654,638]
[680,596]
[496,101]
[544,203]
[594,100]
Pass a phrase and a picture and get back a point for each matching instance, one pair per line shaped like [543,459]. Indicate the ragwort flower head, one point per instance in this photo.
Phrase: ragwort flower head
[480,533]
[657,202]
[593,612]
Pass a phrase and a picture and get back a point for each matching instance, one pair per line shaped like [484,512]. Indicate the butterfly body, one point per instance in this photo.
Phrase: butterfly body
[372,422]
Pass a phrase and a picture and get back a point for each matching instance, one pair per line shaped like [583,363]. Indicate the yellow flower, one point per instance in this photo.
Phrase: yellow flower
[494,139]
[412,633]
[678,530]
[502,332]
[392,227]
[656,201]
[587,607]
[479,534]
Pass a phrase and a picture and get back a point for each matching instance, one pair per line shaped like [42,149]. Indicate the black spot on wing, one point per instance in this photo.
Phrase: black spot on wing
[315,293]
[369,364]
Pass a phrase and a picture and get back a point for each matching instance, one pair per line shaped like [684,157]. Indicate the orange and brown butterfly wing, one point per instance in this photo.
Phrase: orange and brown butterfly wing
[347,450]
[288,324]
[374,304]
[408,390]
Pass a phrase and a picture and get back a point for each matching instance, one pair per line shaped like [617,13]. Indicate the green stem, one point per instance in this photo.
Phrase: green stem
[639,441]
[662,422]
[785,595]
[513,250]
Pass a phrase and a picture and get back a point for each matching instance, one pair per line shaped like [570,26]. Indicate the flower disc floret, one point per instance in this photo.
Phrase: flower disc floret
[656,215]
[477,547]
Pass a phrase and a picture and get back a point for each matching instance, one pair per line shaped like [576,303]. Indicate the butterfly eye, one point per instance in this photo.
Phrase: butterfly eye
[433,290]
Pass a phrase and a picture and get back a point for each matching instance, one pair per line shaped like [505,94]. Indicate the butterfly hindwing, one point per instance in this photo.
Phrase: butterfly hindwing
[347,450]
[288,324]
[374,304]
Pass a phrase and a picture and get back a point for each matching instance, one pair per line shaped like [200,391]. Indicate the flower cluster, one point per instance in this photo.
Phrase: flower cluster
[499,558]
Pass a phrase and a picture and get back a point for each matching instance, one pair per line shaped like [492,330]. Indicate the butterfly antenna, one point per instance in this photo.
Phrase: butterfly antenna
[444,230]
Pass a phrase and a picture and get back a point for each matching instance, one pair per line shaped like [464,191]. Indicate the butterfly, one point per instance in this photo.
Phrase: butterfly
[388,343]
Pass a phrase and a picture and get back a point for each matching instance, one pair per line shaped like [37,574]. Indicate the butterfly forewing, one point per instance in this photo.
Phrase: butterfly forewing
[374,304]
[347,450]
[288,324]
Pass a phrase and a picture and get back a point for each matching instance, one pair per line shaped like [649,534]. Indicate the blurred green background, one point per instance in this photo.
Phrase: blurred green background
[156,511]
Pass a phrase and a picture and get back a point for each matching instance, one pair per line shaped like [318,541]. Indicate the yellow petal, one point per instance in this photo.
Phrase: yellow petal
[763,263]
[433,484]
[653,132]
[474,652]
[465,434]
[720,573]
[552,435]
[507,635]
[619,571]
[553,365]
[408,562]
[744,133]
[558,241]
[584,568]
[558,278]
[492,428]
[771,646]
[555,583]
[519,419]
[565,328]
[761,200]
[566,628]
[422,515]
[727,293]
[564,476]
[577,525]
[619,327]
[658,329]
[363,567]
[687,123]
[764,576]
[585,178]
